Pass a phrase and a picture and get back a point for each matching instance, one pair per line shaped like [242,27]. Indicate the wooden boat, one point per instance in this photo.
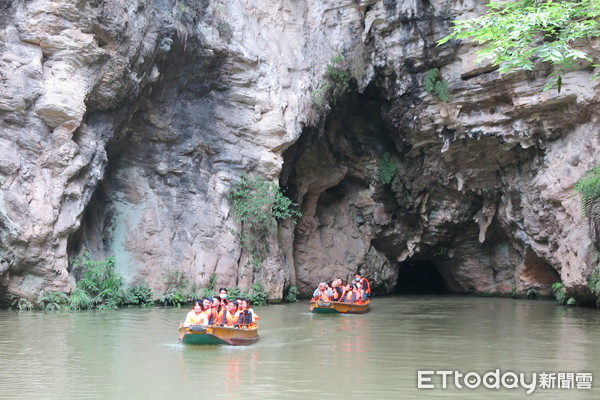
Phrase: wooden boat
[212,334]
[336,307]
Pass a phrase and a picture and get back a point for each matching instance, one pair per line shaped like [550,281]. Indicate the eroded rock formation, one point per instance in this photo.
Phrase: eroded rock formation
[125,123]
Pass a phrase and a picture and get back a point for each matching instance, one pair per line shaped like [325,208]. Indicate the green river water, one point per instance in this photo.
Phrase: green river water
[134,353]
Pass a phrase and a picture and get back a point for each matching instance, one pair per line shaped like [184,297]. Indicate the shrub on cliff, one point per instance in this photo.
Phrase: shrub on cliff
[258,204]
[292,295]
[436,85]
[387,169]
[588,189]
[336,82]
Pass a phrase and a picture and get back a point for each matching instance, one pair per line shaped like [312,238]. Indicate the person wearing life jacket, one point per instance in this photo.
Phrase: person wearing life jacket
[210,311]
[231,314]
[215,309]
[248,303]
[366,285]
[336,290]
[322,293]
[228,315]
[245,316]
[348,294]
[196,316]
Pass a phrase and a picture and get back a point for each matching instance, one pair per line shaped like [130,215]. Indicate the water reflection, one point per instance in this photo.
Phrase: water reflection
[135,354]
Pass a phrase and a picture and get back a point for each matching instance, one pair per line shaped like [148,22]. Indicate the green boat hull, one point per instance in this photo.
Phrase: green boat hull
[336,307]
[200,334]
[202,339]
[318,310]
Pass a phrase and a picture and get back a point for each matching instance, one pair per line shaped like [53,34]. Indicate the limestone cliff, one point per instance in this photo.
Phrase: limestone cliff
[125,122]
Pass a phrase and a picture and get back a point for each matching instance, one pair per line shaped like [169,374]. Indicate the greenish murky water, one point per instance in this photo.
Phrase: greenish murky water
[134,353]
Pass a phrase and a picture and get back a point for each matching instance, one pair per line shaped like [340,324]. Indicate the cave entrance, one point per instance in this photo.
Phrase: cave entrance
[420,277]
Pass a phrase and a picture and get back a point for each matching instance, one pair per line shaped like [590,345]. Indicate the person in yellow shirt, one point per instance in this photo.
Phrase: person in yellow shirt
[196,316]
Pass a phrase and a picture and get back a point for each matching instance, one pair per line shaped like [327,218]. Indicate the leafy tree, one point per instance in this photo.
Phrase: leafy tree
[516,34]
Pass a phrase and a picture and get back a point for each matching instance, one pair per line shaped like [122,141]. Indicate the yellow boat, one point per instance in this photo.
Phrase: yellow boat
[336,307]
[213,334]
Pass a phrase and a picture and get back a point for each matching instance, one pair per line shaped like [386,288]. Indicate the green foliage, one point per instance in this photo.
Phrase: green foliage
[218,20]
[517,33]
[258,297]
[594,280]
[177,289]
[212,281]
[205,293]
[100,281]
[559,293]
[571,302]
[225,28]
[80,300]
[336,82]
[103,288]
[292,295]
[258,204]
[173,297]
[532,294]
[139,295]
[20,304]
[387,169]
[588,188]
[189,15]
[185,15]
[175,279]
[235,292]
[434,84]
[53,301]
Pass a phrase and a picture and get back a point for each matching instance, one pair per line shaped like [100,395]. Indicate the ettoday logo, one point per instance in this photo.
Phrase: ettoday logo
[503,380]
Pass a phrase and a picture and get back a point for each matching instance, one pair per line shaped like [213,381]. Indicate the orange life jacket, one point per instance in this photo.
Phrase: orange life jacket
[366,285]
[232,319]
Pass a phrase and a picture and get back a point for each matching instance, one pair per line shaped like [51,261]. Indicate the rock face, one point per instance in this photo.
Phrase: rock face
[125,123]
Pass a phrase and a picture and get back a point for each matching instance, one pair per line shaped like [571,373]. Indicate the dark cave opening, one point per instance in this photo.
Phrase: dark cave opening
[420,277]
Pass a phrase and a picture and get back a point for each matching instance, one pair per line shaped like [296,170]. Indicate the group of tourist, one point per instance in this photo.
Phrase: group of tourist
[221,312]
[357,291]
[238,313]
